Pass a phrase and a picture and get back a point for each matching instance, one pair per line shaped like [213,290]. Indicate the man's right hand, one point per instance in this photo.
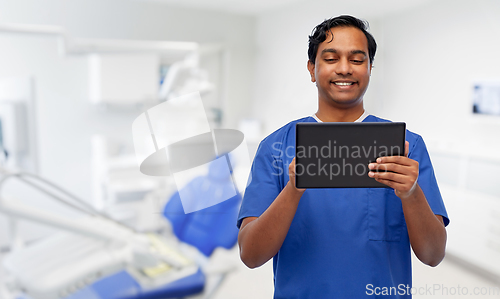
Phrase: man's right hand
[291,174]
[260,238]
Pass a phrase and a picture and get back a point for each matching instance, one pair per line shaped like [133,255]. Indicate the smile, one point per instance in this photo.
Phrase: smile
[343,83]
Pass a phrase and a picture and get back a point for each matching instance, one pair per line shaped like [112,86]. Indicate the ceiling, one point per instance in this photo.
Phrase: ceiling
[249,7]
[255,7]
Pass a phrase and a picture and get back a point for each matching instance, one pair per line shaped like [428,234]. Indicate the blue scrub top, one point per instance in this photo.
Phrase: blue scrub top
[342,243]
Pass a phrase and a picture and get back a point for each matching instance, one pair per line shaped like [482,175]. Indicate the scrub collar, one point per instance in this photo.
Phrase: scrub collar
[360,119]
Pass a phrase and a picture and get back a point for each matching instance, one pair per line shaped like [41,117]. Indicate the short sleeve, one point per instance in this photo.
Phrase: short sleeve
[263,186]
[427,179]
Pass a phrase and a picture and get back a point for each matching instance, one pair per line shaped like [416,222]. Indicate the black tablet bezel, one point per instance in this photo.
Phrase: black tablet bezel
[359,130]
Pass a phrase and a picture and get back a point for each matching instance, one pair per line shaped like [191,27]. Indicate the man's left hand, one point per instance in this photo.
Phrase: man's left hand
[397,172]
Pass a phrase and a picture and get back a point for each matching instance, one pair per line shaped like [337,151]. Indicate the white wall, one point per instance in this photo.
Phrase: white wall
[65,118]
[283,90]
[433,54]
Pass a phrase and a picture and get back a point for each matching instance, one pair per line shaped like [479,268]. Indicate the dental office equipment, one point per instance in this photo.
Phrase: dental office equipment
[105,259]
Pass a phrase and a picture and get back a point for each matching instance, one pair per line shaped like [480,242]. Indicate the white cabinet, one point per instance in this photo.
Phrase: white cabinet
[122,79]
[469,186]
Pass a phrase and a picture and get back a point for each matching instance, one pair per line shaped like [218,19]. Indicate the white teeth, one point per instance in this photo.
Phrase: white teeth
[343,83]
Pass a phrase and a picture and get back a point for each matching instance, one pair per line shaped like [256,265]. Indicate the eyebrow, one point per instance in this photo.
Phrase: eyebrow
[330,50]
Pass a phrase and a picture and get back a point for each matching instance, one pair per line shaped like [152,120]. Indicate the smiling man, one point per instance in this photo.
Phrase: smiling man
[341,243]
[341,68]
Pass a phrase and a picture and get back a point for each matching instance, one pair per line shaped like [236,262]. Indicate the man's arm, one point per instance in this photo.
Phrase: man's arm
[426,230]
[261,238]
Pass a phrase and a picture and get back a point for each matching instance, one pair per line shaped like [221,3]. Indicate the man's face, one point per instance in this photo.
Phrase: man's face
[342,68]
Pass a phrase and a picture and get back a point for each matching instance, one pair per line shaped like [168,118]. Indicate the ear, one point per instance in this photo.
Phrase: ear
[311,67]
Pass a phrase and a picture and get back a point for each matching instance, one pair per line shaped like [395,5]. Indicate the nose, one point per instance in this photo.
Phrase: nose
[343,67]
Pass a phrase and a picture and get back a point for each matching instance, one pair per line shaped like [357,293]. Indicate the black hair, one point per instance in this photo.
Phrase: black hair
[319,34]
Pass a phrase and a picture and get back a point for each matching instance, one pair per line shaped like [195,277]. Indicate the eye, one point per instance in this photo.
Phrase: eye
[330,59]
[357,61]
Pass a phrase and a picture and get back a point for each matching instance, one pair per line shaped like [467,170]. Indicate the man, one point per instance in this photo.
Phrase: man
[341,243]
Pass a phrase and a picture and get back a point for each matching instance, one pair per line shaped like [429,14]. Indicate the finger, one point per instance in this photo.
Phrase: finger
[292,166]
[291,169]
[391,167]
[398,182]
[401,160]
[407,148]
[391,176]
[292,175]
[400,189]
[389,183]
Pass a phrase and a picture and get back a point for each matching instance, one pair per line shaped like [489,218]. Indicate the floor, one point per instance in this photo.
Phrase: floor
[447,280]
[451,280]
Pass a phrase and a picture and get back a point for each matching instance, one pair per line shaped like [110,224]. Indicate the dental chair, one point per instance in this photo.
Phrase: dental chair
[198,233]
[205,230]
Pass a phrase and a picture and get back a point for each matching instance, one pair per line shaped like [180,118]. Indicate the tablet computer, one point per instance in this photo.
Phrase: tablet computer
[336,155]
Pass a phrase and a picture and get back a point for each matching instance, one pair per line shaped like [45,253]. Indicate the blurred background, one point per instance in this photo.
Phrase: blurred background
[74,75]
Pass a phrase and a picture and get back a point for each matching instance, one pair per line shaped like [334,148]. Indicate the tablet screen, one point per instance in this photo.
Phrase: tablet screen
[336,155]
